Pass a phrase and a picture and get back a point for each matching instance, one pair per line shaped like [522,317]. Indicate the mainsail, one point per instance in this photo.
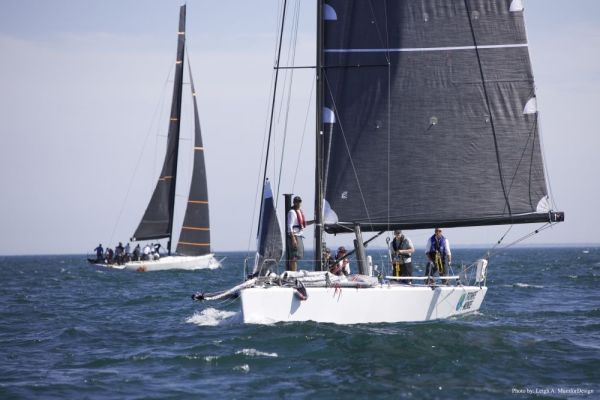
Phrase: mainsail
[195,232]
[429,115]
[157,221]
[269,243]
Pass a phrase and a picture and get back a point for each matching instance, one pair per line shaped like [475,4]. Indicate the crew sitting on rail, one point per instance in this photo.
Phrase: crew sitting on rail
[328,259]
[342,267]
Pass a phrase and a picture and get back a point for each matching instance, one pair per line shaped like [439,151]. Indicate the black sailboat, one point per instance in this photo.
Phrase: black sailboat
[193,249]
[426,117]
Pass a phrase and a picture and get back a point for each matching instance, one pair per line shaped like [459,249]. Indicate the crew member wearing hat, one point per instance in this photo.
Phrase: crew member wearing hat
[402,250]
[342,267]
[296,222]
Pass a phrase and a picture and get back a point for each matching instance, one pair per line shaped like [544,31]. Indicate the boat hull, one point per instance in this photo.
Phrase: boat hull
[385,303]
[207,261]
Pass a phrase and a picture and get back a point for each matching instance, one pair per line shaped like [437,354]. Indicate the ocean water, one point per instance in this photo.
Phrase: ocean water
[71,331]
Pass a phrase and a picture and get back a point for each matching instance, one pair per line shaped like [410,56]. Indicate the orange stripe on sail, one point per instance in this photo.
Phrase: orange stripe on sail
[194,244]
[198,201]
[195,228]
[164,178]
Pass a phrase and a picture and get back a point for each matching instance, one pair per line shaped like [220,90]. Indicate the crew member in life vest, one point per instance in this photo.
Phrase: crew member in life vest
[437,250]
[296,222]
[403,249]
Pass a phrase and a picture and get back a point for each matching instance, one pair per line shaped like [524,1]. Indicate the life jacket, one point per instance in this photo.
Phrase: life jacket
[300,218]
[438,246]
[403,241]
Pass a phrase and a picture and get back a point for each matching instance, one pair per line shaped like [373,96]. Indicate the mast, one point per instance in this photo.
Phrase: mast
[319,142]
[175,119]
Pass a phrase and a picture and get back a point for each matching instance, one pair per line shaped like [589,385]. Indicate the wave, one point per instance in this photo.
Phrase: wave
[210,317]
[255,353]
[526,285]
[243,368]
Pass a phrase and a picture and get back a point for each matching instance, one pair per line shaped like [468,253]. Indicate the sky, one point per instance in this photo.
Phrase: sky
[85,92]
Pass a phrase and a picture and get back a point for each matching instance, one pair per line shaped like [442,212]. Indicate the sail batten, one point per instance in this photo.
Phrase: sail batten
[433,132]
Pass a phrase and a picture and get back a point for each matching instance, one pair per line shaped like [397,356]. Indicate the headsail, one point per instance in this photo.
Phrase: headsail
[431,116]
[157,221]
[195,232]
[269,243]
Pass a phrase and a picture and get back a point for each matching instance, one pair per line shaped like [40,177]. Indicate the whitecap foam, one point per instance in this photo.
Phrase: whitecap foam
[243,368]
[255,353]
[211,358]
[526,285]
[210,317]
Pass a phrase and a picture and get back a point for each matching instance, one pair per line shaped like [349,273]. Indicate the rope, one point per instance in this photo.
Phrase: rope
[491,253]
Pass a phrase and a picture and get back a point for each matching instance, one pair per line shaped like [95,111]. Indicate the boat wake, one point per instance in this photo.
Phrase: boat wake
[212,317]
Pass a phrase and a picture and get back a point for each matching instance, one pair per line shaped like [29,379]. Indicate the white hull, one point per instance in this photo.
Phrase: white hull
[386,303]
[190,263]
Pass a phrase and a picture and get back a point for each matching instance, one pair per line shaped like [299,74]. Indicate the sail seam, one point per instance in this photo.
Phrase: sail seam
[416,49]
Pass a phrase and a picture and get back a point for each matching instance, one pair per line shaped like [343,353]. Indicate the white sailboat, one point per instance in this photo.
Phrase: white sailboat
[426,117]
[193,248]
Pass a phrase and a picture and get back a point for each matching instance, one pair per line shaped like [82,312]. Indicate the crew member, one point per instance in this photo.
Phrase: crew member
[296,222]
[438,253]
[402,250]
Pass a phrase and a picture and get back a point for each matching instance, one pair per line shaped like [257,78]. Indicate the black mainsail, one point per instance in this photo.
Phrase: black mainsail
[157,222]
[429,116]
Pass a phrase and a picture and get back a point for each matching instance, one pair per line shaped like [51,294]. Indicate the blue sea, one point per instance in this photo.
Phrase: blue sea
[72,331]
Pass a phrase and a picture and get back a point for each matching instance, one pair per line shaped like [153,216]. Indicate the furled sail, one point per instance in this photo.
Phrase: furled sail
[269,243]
[429,115]
[195,233]
[157,221]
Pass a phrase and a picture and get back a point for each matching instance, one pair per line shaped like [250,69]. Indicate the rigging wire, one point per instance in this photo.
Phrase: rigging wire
[154,120]
[293,42]
[304,133]
[519,240]
[531,134]
[335,110]
[267,137]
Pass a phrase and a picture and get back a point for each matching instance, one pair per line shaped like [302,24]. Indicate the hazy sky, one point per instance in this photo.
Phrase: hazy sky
[85,92]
